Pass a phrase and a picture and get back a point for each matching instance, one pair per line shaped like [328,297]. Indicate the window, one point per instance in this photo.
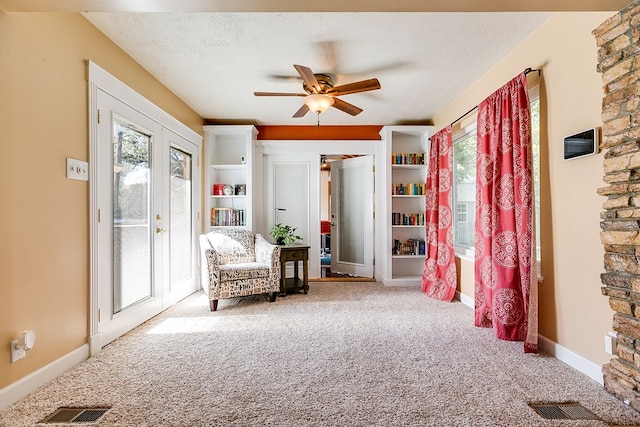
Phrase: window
[464,190]
[461,213]
[534,100]
[464,170]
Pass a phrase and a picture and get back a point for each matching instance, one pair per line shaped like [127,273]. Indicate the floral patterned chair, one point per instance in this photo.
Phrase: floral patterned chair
[235,263]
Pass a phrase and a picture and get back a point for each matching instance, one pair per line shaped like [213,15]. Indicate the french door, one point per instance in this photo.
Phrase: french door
[146,185]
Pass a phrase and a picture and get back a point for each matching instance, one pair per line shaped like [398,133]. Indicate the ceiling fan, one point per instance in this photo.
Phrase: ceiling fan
[320,93]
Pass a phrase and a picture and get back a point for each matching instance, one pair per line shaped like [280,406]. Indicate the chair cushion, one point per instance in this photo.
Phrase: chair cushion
[243,271]
[233,245]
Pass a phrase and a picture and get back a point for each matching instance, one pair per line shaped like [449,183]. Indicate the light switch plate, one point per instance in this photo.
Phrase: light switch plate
[77,169]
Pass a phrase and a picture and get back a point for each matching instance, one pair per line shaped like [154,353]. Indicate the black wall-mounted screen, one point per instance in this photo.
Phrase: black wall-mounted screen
[581,144]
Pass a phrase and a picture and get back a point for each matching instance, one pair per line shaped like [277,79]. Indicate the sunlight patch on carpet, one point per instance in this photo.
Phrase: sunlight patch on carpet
[194,325]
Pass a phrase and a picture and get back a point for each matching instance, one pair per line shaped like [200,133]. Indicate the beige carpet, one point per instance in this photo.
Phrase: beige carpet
[346,354]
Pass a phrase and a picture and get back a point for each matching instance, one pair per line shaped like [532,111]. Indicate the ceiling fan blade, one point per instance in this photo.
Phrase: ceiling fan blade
[346,107]
[308,77]
[278,94]
[361,86]
[302,111]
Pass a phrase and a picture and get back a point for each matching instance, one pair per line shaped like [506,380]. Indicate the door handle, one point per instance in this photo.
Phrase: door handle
[160,230]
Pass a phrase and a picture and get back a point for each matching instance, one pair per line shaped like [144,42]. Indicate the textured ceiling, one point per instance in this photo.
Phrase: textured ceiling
[215,61]
[215,53]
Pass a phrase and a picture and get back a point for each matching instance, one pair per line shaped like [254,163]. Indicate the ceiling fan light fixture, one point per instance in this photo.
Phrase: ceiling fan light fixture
[318,102]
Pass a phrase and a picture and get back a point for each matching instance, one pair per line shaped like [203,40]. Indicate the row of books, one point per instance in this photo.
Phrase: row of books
[410,247]
[407,158]
[226,217]
[398,218]
[415,189]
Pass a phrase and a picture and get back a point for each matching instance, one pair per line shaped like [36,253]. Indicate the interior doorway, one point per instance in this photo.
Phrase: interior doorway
[346,217]
[269,154]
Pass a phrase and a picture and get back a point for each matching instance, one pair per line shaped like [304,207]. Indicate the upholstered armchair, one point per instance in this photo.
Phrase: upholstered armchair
[235,263]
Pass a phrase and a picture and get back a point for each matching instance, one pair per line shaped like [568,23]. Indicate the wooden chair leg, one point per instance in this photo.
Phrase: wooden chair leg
[213,304]
[272,296]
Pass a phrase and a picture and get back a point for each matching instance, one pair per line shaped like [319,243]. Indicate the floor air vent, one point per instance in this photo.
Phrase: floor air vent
[75,415]
[563,411]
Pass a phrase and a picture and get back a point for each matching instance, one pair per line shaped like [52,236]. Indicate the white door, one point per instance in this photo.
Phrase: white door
[352,216]
[182,184]
[138,167]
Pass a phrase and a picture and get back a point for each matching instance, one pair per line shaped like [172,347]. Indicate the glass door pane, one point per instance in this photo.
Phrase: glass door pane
[180,216]
[351,206]
[132,232]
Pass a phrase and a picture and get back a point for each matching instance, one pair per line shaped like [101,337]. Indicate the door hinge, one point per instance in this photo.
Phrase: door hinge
[98,215]
[99,316]
[198,216]
[198,161]
[374,215]
[98,116]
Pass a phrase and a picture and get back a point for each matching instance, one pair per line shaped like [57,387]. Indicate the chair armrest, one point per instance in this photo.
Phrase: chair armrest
[209,265]
[267,253]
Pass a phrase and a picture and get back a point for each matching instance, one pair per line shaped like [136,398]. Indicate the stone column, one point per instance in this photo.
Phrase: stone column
[618,41]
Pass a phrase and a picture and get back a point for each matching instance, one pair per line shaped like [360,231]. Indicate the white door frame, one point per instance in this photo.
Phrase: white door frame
[99,79]
[311,150]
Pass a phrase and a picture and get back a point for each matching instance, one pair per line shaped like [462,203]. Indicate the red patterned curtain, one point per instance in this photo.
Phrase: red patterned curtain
[439,277]
[506,295]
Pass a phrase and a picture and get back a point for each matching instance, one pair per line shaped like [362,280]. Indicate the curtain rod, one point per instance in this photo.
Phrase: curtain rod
[526,71]
[531,70]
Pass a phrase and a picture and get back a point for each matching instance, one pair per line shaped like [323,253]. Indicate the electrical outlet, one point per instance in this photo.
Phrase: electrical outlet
[610,343]
[16,353]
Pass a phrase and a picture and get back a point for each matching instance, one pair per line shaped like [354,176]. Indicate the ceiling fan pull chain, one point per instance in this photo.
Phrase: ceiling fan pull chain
[318,119]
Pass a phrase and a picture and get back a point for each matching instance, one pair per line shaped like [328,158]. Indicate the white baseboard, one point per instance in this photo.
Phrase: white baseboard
[405,281]
[572,359]
[19,389]
[561,353]
[468,301]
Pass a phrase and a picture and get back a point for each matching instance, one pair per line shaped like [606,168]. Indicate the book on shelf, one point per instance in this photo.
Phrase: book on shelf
[228,217]
[217,189]
[399,218]
[411,189]
[407,158]
[408,247]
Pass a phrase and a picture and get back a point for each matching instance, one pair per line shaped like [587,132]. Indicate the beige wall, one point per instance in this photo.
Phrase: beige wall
[44,240]
[573,311]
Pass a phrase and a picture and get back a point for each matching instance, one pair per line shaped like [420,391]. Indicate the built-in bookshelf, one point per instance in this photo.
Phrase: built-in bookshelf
[407,151]
[228,175]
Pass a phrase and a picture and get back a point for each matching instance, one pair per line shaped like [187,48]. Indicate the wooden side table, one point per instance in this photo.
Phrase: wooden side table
[294,284]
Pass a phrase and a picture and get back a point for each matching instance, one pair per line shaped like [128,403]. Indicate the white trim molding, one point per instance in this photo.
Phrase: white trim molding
[103,80]
[464,299]
[587,367]
[21,388]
